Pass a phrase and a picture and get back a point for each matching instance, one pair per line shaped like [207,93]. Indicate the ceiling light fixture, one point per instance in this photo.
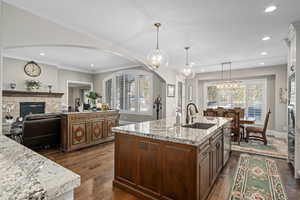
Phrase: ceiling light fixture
[266,38]
[270,9]
[262,63]
[92,65]
[187,70]
[264,53]
[42,54]
[229,84]
[157,58]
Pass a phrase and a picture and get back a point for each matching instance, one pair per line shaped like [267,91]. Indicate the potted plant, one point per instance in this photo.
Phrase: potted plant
[92,96]
[33,85]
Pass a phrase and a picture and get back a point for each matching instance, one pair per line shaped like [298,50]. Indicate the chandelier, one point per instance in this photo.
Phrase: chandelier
[187,70]
[229,83]
[157,57]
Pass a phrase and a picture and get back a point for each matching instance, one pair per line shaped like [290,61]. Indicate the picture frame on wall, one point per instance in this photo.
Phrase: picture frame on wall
[171,90]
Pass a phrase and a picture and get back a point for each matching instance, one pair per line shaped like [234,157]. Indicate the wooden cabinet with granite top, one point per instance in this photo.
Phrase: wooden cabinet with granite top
[79,130]
[173,163]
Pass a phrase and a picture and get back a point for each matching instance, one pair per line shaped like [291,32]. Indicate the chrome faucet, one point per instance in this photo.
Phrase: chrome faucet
[188,114]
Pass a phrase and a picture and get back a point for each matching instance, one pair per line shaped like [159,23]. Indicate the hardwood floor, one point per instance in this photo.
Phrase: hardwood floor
[95,165]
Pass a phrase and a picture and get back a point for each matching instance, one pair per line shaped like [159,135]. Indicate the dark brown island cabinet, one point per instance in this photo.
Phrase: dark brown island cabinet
[83,129]
[162,170]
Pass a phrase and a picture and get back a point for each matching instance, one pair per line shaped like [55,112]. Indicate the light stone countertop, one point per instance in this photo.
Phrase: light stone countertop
[166,130]
[28,175]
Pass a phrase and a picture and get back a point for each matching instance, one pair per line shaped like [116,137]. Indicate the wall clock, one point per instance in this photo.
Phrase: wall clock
[32,69]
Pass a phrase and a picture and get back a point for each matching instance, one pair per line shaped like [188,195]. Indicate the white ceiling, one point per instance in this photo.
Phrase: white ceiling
[216,30]
[71,57]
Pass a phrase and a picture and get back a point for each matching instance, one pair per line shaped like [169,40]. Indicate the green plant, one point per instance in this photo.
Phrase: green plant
[92,95]
[33,84]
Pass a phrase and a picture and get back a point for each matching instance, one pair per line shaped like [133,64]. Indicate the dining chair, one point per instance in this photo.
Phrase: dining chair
[242,115]
[235,124]
[210,112]
[259,133]
[220,111]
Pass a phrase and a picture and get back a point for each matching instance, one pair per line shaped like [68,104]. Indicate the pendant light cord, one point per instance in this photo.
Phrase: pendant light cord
[230,71]
[157,42]
[187,55]
[222,73]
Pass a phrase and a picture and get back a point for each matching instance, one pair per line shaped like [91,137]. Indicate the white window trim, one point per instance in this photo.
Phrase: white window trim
[136,72]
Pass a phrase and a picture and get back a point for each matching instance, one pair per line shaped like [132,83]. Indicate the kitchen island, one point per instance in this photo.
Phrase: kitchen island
[28,175]
[160,160]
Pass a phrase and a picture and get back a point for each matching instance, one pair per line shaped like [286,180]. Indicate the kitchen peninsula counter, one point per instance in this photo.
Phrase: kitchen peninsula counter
[160,160]
[28,175]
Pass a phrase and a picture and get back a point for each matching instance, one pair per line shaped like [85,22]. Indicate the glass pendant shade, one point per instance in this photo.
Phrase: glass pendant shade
[157,58]
[187,70]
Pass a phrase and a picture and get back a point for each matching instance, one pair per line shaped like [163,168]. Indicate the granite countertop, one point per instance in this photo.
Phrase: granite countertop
[166,130]
[28,175]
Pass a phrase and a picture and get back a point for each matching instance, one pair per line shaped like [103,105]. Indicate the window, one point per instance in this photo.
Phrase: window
[133,91]
[108,92]
[250,94]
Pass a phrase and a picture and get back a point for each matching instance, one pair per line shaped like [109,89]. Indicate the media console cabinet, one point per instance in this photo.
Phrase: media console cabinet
[83,129]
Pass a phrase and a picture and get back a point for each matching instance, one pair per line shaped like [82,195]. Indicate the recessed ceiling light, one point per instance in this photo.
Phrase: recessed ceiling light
[262,63]
[270,9]
[42,54]
[92,65]
[264,53]
[266,38]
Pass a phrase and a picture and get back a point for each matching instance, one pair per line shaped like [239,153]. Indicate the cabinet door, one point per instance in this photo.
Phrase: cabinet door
[149,176]
[204,173]
[219,148]
[179,167]
[126,159]
[110,123]
[97,130]
[213,161]
[79,134]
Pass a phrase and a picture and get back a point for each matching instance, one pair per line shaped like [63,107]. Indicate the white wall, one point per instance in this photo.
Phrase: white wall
[1,73]
[172,77]
[13,70]
[65,75]
[276,79]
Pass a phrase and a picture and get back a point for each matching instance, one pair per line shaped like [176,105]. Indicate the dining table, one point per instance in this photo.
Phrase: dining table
[247,120]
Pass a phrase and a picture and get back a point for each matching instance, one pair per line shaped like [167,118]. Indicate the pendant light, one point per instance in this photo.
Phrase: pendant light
[157,57]
[187,70]
[220,85]
[229,84]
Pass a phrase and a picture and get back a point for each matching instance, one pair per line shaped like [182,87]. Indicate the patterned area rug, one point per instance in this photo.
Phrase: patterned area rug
[257,178]
[276,147]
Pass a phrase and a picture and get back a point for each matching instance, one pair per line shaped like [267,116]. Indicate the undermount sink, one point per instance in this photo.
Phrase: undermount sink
[199,125]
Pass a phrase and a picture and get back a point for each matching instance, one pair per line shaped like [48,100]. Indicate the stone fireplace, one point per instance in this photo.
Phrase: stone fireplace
[35,102]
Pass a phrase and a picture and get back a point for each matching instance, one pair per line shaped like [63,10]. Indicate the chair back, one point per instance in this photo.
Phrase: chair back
[235,125]
[220,111]
[210,113]
[266,121]
[241,111]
